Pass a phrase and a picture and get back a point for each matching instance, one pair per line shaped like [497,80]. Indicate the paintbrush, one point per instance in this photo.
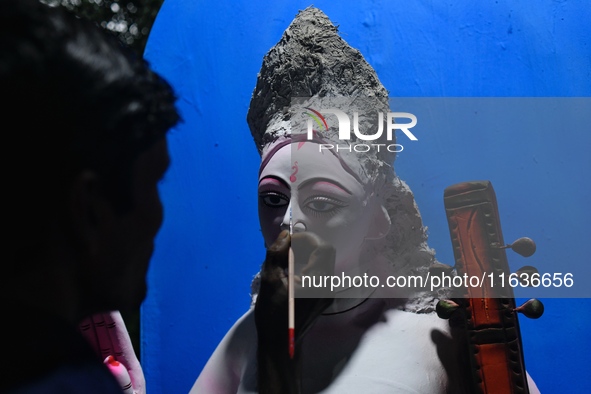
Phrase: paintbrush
[290,289]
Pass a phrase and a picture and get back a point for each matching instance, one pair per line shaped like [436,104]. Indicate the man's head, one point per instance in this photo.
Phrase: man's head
[84,151]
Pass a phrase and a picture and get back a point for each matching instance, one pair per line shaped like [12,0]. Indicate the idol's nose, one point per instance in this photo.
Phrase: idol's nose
[286,222]
[299,227]
[292,220]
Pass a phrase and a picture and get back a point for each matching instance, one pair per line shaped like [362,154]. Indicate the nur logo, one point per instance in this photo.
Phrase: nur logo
[345,129]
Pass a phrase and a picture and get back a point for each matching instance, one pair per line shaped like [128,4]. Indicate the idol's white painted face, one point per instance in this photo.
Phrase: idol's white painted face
[321,196]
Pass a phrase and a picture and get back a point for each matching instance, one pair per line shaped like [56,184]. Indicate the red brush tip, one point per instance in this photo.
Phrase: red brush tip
[111,361]
[291,342]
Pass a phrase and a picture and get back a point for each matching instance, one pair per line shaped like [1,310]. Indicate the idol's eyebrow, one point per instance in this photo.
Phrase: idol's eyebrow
[277,179]
[315,180]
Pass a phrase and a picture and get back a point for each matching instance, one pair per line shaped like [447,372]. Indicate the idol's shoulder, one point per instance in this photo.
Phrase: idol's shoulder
[232,366]
[405,352]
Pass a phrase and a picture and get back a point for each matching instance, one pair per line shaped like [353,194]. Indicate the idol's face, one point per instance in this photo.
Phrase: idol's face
[319,195]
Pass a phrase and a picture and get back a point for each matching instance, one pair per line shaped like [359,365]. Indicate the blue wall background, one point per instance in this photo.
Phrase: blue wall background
[210,245]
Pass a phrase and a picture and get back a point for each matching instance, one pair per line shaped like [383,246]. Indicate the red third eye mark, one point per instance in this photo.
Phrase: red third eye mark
[292,177]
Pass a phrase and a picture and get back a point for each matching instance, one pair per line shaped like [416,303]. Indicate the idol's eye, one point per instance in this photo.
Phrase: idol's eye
[274,199]
[323,205]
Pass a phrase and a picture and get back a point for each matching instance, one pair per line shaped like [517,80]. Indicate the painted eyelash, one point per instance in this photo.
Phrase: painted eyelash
[262,195]
[326,199]
[273,193]
[324,214]
[338,205]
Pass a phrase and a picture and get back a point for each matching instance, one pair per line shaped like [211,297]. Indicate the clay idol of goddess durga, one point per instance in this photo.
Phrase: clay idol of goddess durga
[364,339]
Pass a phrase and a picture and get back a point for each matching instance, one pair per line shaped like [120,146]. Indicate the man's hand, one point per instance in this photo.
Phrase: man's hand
[107,334]
[277,372]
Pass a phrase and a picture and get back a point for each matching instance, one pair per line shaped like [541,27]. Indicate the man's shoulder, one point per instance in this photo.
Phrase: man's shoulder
[45,354]
[70,379]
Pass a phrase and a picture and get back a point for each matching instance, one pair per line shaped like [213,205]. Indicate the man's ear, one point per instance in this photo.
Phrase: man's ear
[88,210]
[380,225]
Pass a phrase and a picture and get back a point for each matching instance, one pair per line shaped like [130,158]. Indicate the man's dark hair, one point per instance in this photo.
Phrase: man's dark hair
[73,99]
